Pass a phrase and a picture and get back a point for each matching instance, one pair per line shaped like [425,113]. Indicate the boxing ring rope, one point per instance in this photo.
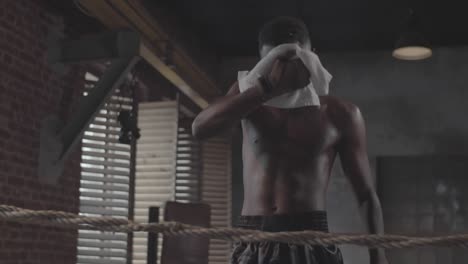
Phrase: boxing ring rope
[73,221]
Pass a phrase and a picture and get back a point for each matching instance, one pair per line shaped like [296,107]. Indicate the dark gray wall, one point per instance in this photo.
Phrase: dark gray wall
[425,195]
[411,108]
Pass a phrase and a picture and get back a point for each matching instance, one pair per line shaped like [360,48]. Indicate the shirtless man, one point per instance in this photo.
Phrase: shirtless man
[288,154]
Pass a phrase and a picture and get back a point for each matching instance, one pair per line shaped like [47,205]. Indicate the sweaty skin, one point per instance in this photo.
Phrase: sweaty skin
[288,154]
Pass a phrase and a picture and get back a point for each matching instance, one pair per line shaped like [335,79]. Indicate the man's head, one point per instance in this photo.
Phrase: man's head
[282,30]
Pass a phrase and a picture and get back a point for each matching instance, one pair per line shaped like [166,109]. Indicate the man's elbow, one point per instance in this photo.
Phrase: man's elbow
[198,131]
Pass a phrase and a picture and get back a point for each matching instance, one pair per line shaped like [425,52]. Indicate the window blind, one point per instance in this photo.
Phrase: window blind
[216,191]
[104,185]
[172,165]
[155,166]
[188,164]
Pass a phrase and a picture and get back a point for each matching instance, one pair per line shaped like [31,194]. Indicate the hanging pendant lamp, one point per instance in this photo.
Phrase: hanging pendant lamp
[412,45]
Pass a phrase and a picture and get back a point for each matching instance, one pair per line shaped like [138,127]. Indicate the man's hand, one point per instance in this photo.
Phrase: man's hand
[287,75]
[264,66]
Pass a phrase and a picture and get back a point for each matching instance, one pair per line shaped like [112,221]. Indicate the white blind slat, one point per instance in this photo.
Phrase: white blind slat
[87,260]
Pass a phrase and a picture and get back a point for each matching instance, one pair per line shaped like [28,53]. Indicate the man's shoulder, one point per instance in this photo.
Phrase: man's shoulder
[340,105]
[340,110]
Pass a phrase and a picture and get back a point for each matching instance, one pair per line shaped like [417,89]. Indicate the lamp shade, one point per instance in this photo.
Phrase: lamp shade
[412,45]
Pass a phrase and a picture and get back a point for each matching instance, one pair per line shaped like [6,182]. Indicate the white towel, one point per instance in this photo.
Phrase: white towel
[307,96]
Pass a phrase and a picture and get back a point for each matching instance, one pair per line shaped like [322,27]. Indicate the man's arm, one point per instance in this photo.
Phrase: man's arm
[355,163]
[227,111]
[285,76]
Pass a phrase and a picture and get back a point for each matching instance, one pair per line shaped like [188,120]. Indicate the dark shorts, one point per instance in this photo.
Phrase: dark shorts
[280,253]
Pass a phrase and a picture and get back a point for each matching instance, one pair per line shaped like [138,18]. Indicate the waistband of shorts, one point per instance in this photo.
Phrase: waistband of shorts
[314,220]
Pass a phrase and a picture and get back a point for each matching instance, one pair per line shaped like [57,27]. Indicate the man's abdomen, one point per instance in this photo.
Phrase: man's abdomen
[277,185]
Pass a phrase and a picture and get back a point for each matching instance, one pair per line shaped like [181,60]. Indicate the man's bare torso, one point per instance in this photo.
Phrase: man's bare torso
[288,155]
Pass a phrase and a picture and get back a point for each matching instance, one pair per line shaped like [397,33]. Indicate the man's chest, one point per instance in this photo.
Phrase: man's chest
[290,130]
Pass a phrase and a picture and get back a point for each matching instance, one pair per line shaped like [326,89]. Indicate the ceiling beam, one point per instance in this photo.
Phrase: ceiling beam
[184,73]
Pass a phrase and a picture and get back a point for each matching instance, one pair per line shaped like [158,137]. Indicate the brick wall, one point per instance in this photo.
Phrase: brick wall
[30,91]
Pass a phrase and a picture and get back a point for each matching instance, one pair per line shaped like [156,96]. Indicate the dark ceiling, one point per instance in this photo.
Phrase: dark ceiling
[77,22]
[230,27]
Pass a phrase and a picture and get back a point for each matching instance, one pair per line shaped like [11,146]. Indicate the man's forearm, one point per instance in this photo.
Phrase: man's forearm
[373,213]
[226,112]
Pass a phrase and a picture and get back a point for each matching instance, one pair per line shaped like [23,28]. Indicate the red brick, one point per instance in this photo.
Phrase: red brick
[29,91]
